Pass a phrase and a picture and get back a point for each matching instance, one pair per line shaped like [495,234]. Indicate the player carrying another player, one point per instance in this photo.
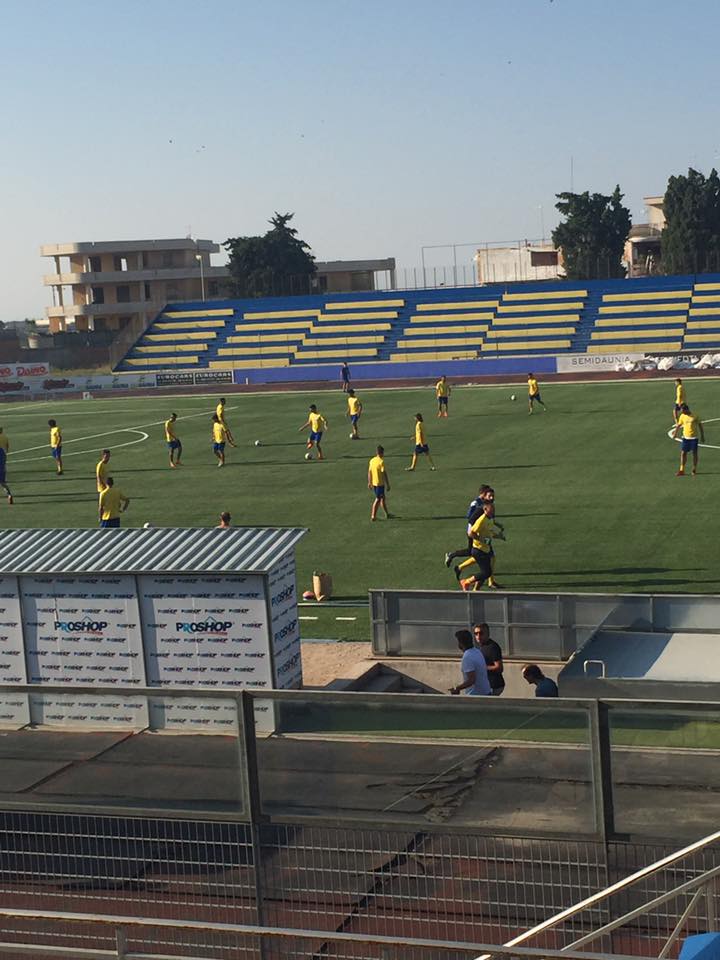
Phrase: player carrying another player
[355,408]
[318,425]
[220,414]
[379,483]
[534,394]
[485,495]
[483,531]
[421,444]
[56,444]
[173,441]
[102,471]
[680,398]
[219,439]
[692,429]
[4,450]
[442,392]
[111,503]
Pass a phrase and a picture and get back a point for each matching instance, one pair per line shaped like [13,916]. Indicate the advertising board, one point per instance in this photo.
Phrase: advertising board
[284,625]
[595,362]
[13,708]
[11,371]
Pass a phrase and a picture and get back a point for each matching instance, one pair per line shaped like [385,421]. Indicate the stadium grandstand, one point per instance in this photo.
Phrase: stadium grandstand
[649,315]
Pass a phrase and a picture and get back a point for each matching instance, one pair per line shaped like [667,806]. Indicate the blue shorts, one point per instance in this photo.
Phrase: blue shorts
[532,397]
[315,437]
[379,492]
[354,418]
[422,448]
[3,462]
[219,447]
[57,452]
[443,401]
[689,446]
[110,523]
[174,445]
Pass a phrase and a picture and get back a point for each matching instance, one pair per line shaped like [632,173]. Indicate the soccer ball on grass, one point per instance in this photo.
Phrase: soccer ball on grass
[308,456]
[258,443]
[513,397]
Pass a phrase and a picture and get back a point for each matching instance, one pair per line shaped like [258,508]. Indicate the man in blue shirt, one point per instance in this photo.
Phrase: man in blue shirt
[474,670]
[544,686]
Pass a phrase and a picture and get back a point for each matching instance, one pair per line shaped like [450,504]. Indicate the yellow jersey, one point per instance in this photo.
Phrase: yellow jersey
[680,395]
[420,434]
[482,531]
[442,388]
[220,412]
[533,388]
[317,422]
[102,471]
[376,469]
[110,500]
[354,406]
[690,424]
[219,433]
[170,431]
[55,437]
[4,443]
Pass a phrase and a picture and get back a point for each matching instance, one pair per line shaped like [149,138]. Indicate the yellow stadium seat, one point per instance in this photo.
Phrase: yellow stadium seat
[540,307]
[546,295]
[704,311]
[537,332]
[190,314]
[526,321]
[335,354]
[312,343]
[173,348]
[647,295]
[461,305]
[427,330]
[364,304]
[403,357]
[712,336]
[703,324]
[643,308]
[244,364]
[633,348]
[380,315]
[668,319]
[143,362]
[707,286]
[180,337]
[276,351]
[707,298]
[189,325]
[280,314]
[636,334]
[434,342]
[351,329]
[269,338]
[451,317]
[274,327]
[528,345]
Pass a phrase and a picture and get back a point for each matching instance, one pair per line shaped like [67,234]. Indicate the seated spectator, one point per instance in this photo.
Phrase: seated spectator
[544,686]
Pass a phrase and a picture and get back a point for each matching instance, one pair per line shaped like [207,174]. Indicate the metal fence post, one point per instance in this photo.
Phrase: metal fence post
[251,795]
[601,770]
[121,943]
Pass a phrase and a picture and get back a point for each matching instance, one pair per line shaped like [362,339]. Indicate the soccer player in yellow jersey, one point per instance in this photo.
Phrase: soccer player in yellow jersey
[56,444]
[379,483]
[442,392]
[534,393]
[421,444]
[318,425]
[680,398]
[220,413]
[219,437]
[692,434]
[111,503]
[4,450]
[482,532]
[355,408]
[173,441]
[102,470]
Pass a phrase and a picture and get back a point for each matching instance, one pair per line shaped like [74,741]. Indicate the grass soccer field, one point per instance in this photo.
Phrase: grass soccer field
[587,491]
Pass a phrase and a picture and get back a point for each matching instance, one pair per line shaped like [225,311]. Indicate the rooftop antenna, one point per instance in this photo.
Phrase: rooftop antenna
[188,235]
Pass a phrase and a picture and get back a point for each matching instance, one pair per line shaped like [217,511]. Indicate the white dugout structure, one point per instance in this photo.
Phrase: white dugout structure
[171,608]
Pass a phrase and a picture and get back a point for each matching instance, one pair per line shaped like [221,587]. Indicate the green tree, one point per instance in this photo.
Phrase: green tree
[593,235]
[690,241]
[278,263]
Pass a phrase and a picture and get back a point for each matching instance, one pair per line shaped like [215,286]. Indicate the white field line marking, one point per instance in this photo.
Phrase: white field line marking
[308,618]
[711,446]
[76,453]
[346,618]
[107,433]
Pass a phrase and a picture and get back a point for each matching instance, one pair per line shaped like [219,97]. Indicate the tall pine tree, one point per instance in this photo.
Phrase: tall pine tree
[690,241]
[278,263]
[593,235]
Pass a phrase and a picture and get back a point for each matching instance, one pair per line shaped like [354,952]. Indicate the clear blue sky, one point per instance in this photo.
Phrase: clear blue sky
[384,125]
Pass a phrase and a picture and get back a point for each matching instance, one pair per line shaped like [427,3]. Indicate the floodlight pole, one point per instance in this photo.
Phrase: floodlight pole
[198,257]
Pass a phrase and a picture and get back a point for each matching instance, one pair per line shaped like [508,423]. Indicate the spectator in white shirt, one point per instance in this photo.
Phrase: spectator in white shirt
[474,670]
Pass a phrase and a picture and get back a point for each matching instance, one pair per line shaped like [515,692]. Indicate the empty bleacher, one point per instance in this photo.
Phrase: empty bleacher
[653,315]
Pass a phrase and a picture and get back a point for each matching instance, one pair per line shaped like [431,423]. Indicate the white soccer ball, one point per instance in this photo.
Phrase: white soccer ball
[258,443]
[513,397]
[308,456]
[352,435]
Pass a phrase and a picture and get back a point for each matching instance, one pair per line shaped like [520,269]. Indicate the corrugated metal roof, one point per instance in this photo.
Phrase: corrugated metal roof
[155,550]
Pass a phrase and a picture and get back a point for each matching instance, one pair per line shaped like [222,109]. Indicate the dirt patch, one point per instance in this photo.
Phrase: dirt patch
[324,662]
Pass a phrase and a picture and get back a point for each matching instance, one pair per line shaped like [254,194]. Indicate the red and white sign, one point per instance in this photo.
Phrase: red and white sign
[9,370]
